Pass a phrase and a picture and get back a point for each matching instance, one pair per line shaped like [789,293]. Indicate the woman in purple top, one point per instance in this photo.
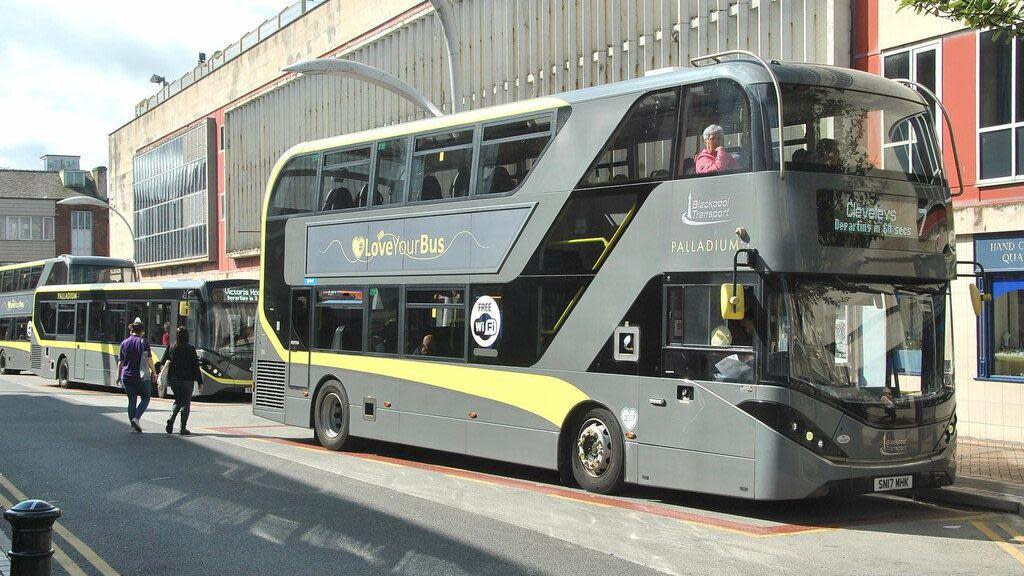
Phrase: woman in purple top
[714,157]
[129,373]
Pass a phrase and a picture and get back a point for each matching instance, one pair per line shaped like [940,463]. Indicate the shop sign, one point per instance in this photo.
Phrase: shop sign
[1000,253]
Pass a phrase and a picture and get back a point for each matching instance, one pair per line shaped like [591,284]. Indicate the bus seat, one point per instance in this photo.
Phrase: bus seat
[431,189]
[689,166]
[337,199]
[339,338]
[501,181]
[361,197]
[460,186]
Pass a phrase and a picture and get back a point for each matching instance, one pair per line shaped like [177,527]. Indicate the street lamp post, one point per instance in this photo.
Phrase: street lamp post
[93,201]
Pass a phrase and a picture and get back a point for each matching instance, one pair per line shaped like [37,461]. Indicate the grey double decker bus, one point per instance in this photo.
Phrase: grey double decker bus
[18,282]
[646,282]
[81,326]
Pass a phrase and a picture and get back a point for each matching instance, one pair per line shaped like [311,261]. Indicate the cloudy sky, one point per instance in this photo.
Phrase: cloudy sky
[71,72]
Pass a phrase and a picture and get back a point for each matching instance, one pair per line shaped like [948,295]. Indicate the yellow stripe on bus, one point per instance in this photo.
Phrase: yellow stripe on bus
[23,346]
[22,265]
[116,286]
[546,396]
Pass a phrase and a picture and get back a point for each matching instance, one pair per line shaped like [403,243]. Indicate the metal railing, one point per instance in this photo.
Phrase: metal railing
[268,28]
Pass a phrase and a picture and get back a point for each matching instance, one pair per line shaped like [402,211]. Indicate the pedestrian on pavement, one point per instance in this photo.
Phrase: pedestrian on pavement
[129,373]
[182,365]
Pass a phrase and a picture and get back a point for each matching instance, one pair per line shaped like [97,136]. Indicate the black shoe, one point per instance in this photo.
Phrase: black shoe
[135,426]
[185,432]
[170,427]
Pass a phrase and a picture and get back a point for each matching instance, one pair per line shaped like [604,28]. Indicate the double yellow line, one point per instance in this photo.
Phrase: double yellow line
[65,561]
[1009,539]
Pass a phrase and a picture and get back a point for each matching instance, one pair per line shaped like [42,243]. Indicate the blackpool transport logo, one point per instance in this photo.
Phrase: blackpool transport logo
[705,212]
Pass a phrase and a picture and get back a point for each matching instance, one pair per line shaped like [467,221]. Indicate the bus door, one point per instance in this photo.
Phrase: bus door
[708,366]
[81,319]
[298,338]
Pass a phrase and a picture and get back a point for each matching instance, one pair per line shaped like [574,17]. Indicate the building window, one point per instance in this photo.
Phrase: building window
[27,228]
[172,202]
[1000,108]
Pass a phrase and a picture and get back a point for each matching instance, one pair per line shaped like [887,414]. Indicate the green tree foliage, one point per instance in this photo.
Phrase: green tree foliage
[1003,16]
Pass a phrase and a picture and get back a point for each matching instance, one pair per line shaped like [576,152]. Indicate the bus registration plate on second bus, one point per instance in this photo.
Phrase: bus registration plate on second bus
[894,483]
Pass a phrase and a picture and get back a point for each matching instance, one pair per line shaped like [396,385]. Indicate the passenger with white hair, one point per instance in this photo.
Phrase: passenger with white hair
[714,157]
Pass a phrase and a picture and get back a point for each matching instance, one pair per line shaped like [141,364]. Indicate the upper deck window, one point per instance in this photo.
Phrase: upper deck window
[641,147]
[716,129]
[441,166]
[295,189]
[392,171]
[509,151]
[843,131]
[345,179]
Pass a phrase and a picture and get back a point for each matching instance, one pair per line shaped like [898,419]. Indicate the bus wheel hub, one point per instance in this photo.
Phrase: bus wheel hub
[594,448]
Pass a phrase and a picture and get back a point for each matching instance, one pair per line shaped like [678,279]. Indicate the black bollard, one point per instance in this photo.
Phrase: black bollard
[32,537]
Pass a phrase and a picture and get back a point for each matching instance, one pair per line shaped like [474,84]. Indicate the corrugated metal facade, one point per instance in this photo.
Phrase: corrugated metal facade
[511,50]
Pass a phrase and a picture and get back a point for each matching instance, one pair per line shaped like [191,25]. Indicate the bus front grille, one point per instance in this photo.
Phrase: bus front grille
[269,392]
[36,357]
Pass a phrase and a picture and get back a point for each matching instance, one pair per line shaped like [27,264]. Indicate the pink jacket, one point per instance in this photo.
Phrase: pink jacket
[707,162]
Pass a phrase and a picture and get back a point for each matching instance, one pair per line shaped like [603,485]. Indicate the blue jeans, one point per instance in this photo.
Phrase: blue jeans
[136,387]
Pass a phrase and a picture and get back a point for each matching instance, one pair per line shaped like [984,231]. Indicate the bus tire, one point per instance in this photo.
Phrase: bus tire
[597,452]
[3,364]
[330,416]
[62,373]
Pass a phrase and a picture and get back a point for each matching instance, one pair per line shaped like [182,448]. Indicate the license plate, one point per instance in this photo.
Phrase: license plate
[894,483]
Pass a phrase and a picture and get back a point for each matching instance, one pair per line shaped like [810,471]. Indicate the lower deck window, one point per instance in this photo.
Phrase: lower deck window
[435,323]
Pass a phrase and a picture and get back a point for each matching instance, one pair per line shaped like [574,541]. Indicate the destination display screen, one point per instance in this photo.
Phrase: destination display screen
[883,221]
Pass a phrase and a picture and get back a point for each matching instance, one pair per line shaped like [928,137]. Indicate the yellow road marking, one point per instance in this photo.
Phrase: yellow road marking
[59,555]
[1006,546]
[92,557]
[1014,534]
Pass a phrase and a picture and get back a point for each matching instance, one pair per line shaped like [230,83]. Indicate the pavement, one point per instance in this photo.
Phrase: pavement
[248,496]
[990,474]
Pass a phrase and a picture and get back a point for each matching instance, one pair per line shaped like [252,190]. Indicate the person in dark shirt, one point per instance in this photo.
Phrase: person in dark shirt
[129,373]
[183,365]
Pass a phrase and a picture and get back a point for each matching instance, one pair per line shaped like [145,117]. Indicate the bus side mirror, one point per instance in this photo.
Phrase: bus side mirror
[183,308]
[732,301]
[978,298]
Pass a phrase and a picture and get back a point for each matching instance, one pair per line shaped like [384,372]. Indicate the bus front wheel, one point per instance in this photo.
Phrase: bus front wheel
[330,416]
[62,374]
[597,452]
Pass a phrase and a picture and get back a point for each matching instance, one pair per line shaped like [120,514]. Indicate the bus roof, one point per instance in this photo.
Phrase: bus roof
[744,71]
[71,260]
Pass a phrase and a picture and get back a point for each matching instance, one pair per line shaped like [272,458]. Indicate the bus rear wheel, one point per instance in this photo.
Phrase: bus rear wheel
[330,416]
[597,452]
[62,374]
[3,364]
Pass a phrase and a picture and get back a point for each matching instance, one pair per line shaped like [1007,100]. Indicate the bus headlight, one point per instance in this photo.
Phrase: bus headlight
[793,425]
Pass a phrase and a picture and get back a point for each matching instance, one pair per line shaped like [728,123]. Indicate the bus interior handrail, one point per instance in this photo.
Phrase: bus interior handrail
[717,57]
[949,128]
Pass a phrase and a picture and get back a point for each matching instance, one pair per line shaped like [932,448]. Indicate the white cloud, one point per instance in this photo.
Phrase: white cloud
[72,72]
